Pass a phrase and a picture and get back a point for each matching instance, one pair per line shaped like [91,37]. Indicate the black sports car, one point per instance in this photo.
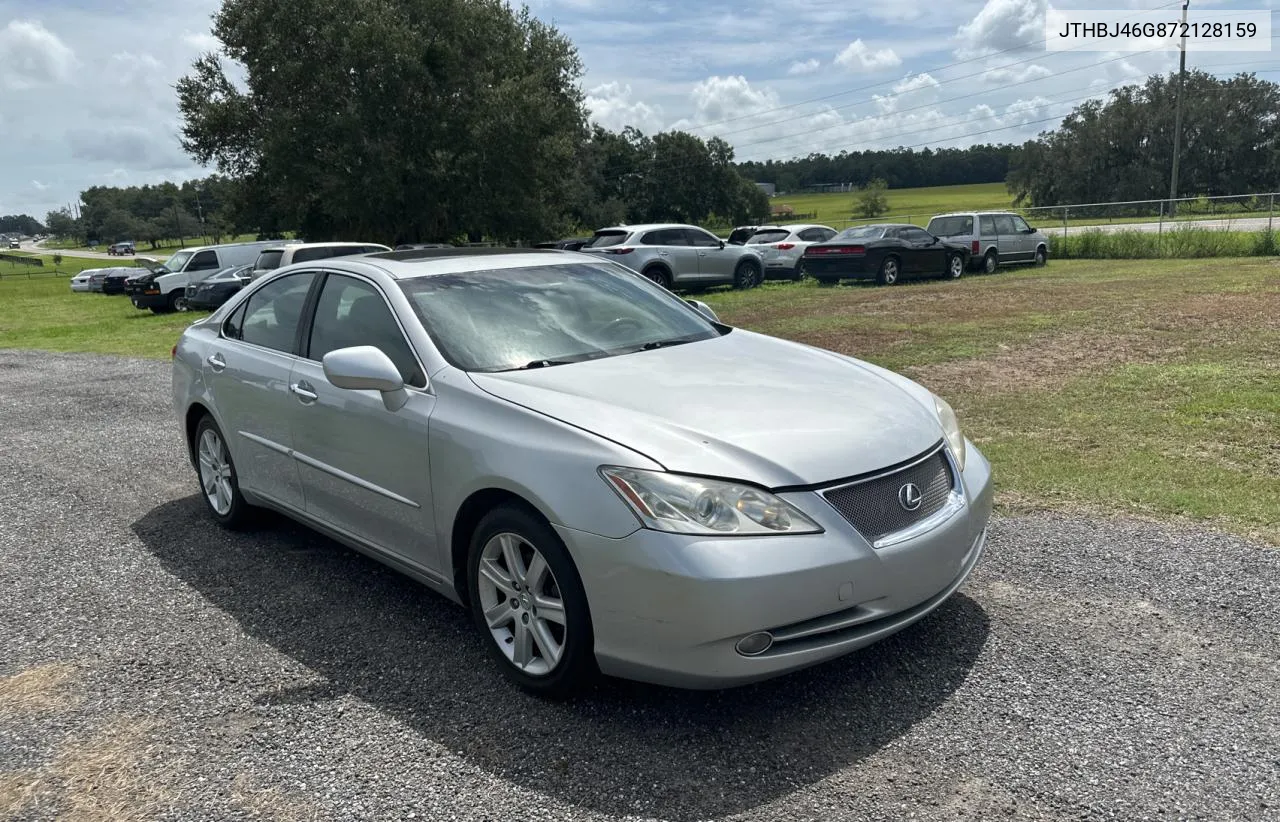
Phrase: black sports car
[114,281]
[216,289]
[887,252]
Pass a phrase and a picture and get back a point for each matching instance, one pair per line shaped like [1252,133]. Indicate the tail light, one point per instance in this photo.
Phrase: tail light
[784,246]
[976,247]
[173,353]
[618,250]
[836,249]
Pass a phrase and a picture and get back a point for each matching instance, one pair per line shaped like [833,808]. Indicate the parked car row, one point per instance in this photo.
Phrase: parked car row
[105,280]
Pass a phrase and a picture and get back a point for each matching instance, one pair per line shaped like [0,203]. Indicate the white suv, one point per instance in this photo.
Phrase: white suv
[289,253]
[782,247]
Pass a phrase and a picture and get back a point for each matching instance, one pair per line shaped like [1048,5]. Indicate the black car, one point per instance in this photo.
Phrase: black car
[113,282]
[887,252]
[216,289]
[567,244]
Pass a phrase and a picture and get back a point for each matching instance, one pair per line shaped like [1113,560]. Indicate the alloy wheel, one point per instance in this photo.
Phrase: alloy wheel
[522,604]
[215,472]
[889,273]
[955,266]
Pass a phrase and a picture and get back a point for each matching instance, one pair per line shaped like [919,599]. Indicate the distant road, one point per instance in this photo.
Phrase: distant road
[37,248]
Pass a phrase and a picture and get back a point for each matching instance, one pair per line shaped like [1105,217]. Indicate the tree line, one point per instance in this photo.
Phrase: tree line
[1121,149]
[898,167]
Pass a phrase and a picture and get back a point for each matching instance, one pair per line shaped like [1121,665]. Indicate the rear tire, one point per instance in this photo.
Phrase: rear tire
[990,263]
[955,267]
[219,483]
[747,275]
[890,270]
[658,275]
[549,613]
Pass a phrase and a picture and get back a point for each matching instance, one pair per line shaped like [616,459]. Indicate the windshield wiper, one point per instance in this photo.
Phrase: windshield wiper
[650,346]
[541,364]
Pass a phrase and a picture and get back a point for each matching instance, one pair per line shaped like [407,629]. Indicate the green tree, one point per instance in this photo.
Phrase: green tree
[391,120]
[62,225]
[873,199]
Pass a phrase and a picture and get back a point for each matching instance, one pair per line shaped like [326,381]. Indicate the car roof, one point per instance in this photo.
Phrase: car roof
[406,265]
[644,227]
[970,213]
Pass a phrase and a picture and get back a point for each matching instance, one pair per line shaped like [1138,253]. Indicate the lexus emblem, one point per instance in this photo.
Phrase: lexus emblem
[909,496]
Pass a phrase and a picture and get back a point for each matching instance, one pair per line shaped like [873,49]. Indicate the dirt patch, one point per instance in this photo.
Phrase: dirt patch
[43,689]
[112,776]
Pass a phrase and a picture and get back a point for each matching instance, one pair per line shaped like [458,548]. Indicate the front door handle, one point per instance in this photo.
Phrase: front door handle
[304,392]
[216,362]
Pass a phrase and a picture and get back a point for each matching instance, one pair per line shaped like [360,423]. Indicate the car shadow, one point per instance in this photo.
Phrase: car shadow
[622,748]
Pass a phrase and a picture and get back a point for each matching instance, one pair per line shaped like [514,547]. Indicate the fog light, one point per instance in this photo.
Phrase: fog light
[755,644]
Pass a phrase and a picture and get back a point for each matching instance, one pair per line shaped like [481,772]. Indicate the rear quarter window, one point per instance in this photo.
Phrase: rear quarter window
[604,239]
[950,226]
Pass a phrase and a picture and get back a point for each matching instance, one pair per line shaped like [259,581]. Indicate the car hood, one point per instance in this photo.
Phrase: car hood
[743,406]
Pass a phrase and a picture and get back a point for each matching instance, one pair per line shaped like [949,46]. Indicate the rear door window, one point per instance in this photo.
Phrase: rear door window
[273,311]
[951,226]
[987,224]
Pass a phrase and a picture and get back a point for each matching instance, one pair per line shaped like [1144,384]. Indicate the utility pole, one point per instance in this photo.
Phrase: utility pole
[1177,113]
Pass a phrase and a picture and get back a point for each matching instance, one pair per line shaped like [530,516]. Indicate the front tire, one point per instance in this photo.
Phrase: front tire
[747,275]
[527,600]
[219,483]
[178,301]
[1042,257]
[890,270]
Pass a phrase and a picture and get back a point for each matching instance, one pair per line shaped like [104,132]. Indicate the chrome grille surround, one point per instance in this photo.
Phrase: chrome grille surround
[871,504]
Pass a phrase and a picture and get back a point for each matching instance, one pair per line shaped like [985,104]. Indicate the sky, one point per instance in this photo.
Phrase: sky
[86,88]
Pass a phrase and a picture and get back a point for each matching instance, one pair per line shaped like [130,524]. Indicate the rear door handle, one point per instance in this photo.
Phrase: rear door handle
[304,392]
[216,362]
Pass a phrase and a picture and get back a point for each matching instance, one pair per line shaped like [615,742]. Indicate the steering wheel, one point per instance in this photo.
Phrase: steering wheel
[621,324]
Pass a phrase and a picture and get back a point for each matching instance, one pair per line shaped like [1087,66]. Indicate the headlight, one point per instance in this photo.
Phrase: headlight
[951,429]
[693,505]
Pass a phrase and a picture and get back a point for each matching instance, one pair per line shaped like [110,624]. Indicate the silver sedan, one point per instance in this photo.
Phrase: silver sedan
[609,478]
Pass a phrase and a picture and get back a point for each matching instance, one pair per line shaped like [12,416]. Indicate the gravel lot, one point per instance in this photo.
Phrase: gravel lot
[153,666]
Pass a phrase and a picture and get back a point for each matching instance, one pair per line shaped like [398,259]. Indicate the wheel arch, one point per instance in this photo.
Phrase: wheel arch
[195,412]
[658,265]
[465,521]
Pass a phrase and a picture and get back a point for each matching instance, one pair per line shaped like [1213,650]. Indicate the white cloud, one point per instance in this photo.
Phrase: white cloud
[1002,24]
[134,70]
[858,56]
[1006,75]
[201,41]
[806,67]
[137,147]
[611,106]
[32,56]
[39,186]
[716,99]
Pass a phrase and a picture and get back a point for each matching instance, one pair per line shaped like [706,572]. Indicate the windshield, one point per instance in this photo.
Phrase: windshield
[549,315]
[176,262]
[604,239]
[950,226]
[772,235]
[862,232]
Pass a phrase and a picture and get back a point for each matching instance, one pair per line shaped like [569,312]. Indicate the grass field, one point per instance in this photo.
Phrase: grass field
[1142,387]
[917,203]
[164,248]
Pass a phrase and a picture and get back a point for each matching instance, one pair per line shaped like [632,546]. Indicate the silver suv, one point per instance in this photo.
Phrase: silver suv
[994,238]
[679,256]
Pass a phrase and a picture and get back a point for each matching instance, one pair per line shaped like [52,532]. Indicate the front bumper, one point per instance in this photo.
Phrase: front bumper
[144,301]
[670,609]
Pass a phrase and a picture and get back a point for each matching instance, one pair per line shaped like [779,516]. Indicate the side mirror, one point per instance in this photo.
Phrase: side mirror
[365,368]
[704,309]
[1029,230]
[722,243]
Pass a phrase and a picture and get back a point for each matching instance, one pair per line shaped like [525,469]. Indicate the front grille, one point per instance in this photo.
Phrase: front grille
[873,507]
